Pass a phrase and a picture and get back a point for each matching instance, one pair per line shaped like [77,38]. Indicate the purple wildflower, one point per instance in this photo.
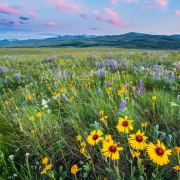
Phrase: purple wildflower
[18,77]
[24,78]
[140,86]
[122,105]
[108,85]
[99,92]
[134,91]
[172,76]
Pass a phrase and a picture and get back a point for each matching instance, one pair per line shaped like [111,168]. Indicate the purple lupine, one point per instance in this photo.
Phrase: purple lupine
[126,86]
[167,73]
[135,69]
[108,85]
[99,92]
[122,105]
[134,91]
[64,97]
[159,75]
[12,71]
[6,80]
[65,73]
[172,76]
[140,86]
[179,77]
[24,78]
[18,77]
[153,75]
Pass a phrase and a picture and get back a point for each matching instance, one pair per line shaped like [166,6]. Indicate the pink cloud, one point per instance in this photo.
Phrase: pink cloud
[49,24]
[10,10]
[27,4]
[84,16]
[177,12]
[110,12]
[32,13]
[65,6]
[114,2]
[161,4]
[114,20]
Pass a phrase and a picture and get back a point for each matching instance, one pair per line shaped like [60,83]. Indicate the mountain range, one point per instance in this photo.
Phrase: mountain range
[130,40]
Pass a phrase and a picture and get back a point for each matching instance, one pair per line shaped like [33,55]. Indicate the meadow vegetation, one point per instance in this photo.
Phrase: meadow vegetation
[89,115]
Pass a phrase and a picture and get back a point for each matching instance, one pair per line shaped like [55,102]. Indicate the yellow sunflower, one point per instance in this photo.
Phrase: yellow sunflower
[138,140]
[111,150]
[158,153]
[108,138]
[124,125]
[95,137]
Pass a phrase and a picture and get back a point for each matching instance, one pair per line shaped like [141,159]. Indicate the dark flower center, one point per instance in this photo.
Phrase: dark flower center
[139,138]
[95,137]
[125,123]
[159,151]
[113,149]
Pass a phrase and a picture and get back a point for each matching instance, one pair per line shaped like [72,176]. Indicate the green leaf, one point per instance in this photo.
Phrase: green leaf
[109,170]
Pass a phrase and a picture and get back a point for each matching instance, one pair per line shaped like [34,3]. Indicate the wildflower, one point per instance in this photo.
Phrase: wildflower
[18,77]
[140,86]
[176,150]
[177,168]
[144,124]
[44,171]
[134,91]
[108,138]
[16,108]
[101,112]
[32,132]
[101,119]
[78,137]
[95,137]
[71,98]
[49,87]
[124,125]
[138,141]
[31,118]
[27,154]
[48,167]
[83,144]
[99,92]
[105,117]
[122,105]
[11,157]
[111,150]
[29,97]
[82,151]
[154,98]
[136,154]
[38,114]
[74,169]
[12,99]
[158,153]
[45,160]
[6,102]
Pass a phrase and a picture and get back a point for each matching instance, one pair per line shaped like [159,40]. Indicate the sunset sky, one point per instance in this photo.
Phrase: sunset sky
[31,19]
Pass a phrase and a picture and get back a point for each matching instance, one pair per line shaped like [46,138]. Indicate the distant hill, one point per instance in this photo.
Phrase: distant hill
[130,40]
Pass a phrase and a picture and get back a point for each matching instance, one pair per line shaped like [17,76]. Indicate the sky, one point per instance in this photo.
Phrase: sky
[37,19]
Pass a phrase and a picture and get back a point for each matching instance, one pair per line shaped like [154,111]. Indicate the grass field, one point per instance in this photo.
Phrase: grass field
[37,51]
[94,113]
